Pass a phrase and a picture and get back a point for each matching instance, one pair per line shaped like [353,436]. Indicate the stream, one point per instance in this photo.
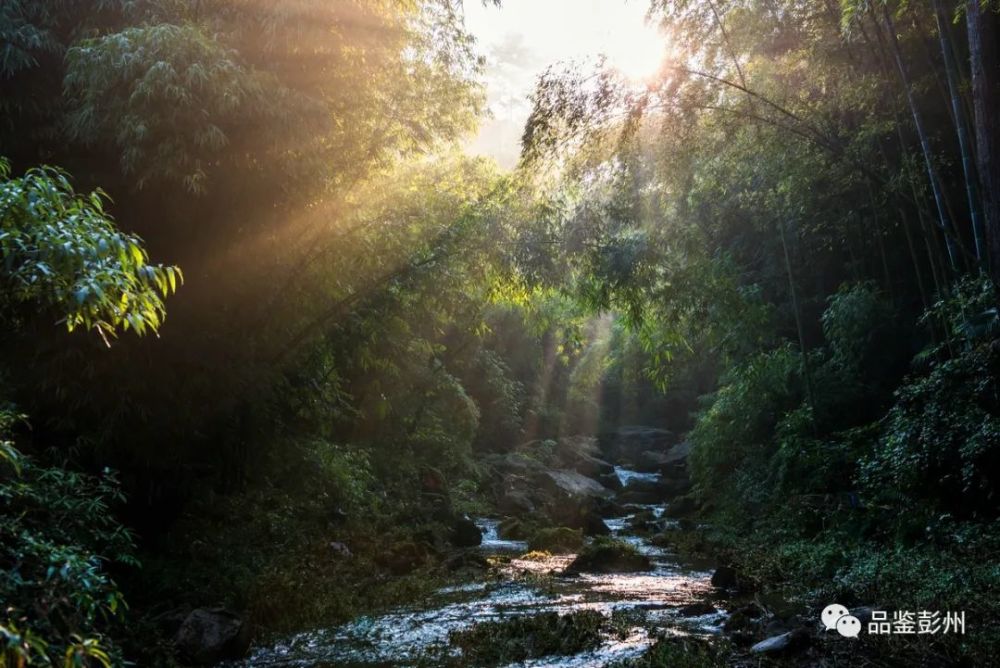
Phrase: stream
[650,602]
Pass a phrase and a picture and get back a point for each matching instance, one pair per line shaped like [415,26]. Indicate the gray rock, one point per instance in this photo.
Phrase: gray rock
[593,525]
[785,642]
[627,443]
[678,454]
[467,560]
[576,485]
[697,609]
[611,481]
[340,549]
[516,502]
[725,577]
[465,533]
[210,635]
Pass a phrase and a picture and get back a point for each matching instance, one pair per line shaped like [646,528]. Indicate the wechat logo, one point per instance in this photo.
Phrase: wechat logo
[838,617]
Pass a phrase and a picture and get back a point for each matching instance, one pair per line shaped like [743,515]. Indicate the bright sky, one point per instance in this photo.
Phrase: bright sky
[523,37]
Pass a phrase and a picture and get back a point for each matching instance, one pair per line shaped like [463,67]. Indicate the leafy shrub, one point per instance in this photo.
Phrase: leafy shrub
[733,438]
[941,442]
[57,535]
[61,250]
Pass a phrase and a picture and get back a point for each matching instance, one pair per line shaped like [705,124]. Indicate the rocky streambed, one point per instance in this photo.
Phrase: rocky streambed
[602,589]
[670,597]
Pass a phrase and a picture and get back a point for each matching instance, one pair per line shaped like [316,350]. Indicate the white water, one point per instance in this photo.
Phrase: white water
[626,476]
[492,541]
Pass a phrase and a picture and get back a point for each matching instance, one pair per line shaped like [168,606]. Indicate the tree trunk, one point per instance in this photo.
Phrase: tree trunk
[964,147]
[925,144]
[806,371]
[983,56]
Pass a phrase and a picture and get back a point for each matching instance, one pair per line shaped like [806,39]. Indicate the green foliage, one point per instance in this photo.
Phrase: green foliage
[733,438]
[940,446]
[62,251]
[528,637]
[677,653]
[163,94]
[56,541]
[852,323]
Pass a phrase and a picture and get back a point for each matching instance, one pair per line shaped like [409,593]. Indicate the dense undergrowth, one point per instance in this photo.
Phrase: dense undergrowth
[897,513]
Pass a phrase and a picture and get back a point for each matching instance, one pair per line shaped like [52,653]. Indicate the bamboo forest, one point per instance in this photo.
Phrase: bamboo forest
[551,333]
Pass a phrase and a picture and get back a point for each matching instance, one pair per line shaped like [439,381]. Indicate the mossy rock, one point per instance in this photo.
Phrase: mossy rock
[514,529]
[558,540]
[521,638]
[608,555]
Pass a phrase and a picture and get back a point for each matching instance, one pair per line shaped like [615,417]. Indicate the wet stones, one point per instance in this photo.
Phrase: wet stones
[557,540]
[209,635]
[465,533]
[725,577]
[785,642]
[697,609]
[607,555]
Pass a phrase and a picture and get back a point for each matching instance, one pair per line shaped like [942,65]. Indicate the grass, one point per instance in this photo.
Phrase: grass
[521,638]
[677,653]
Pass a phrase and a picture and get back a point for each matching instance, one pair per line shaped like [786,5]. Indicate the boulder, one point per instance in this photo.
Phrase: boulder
[575,485]
[467,561]
[608,508]
[558,540]
[626,444]
[652,460]
[210,635]
[515,502]
[513,529]
[611,481]
[643,492]
[745,619]
[697,609]
[609,556]
[339,549]
[784,642]
[725,577]
[581,459]
[678,453]
[465,533]
[593,525]
[514,462]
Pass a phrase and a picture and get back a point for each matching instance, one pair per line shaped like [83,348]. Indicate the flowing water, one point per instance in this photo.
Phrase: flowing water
[650,602]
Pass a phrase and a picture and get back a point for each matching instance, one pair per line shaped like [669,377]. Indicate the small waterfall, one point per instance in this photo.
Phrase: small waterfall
[491,537]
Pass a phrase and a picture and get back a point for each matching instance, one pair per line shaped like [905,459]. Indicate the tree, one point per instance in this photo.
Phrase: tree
[985,60]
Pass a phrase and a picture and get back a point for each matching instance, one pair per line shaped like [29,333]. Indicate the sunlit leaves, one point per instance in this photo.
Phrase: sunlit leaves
[61,250]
